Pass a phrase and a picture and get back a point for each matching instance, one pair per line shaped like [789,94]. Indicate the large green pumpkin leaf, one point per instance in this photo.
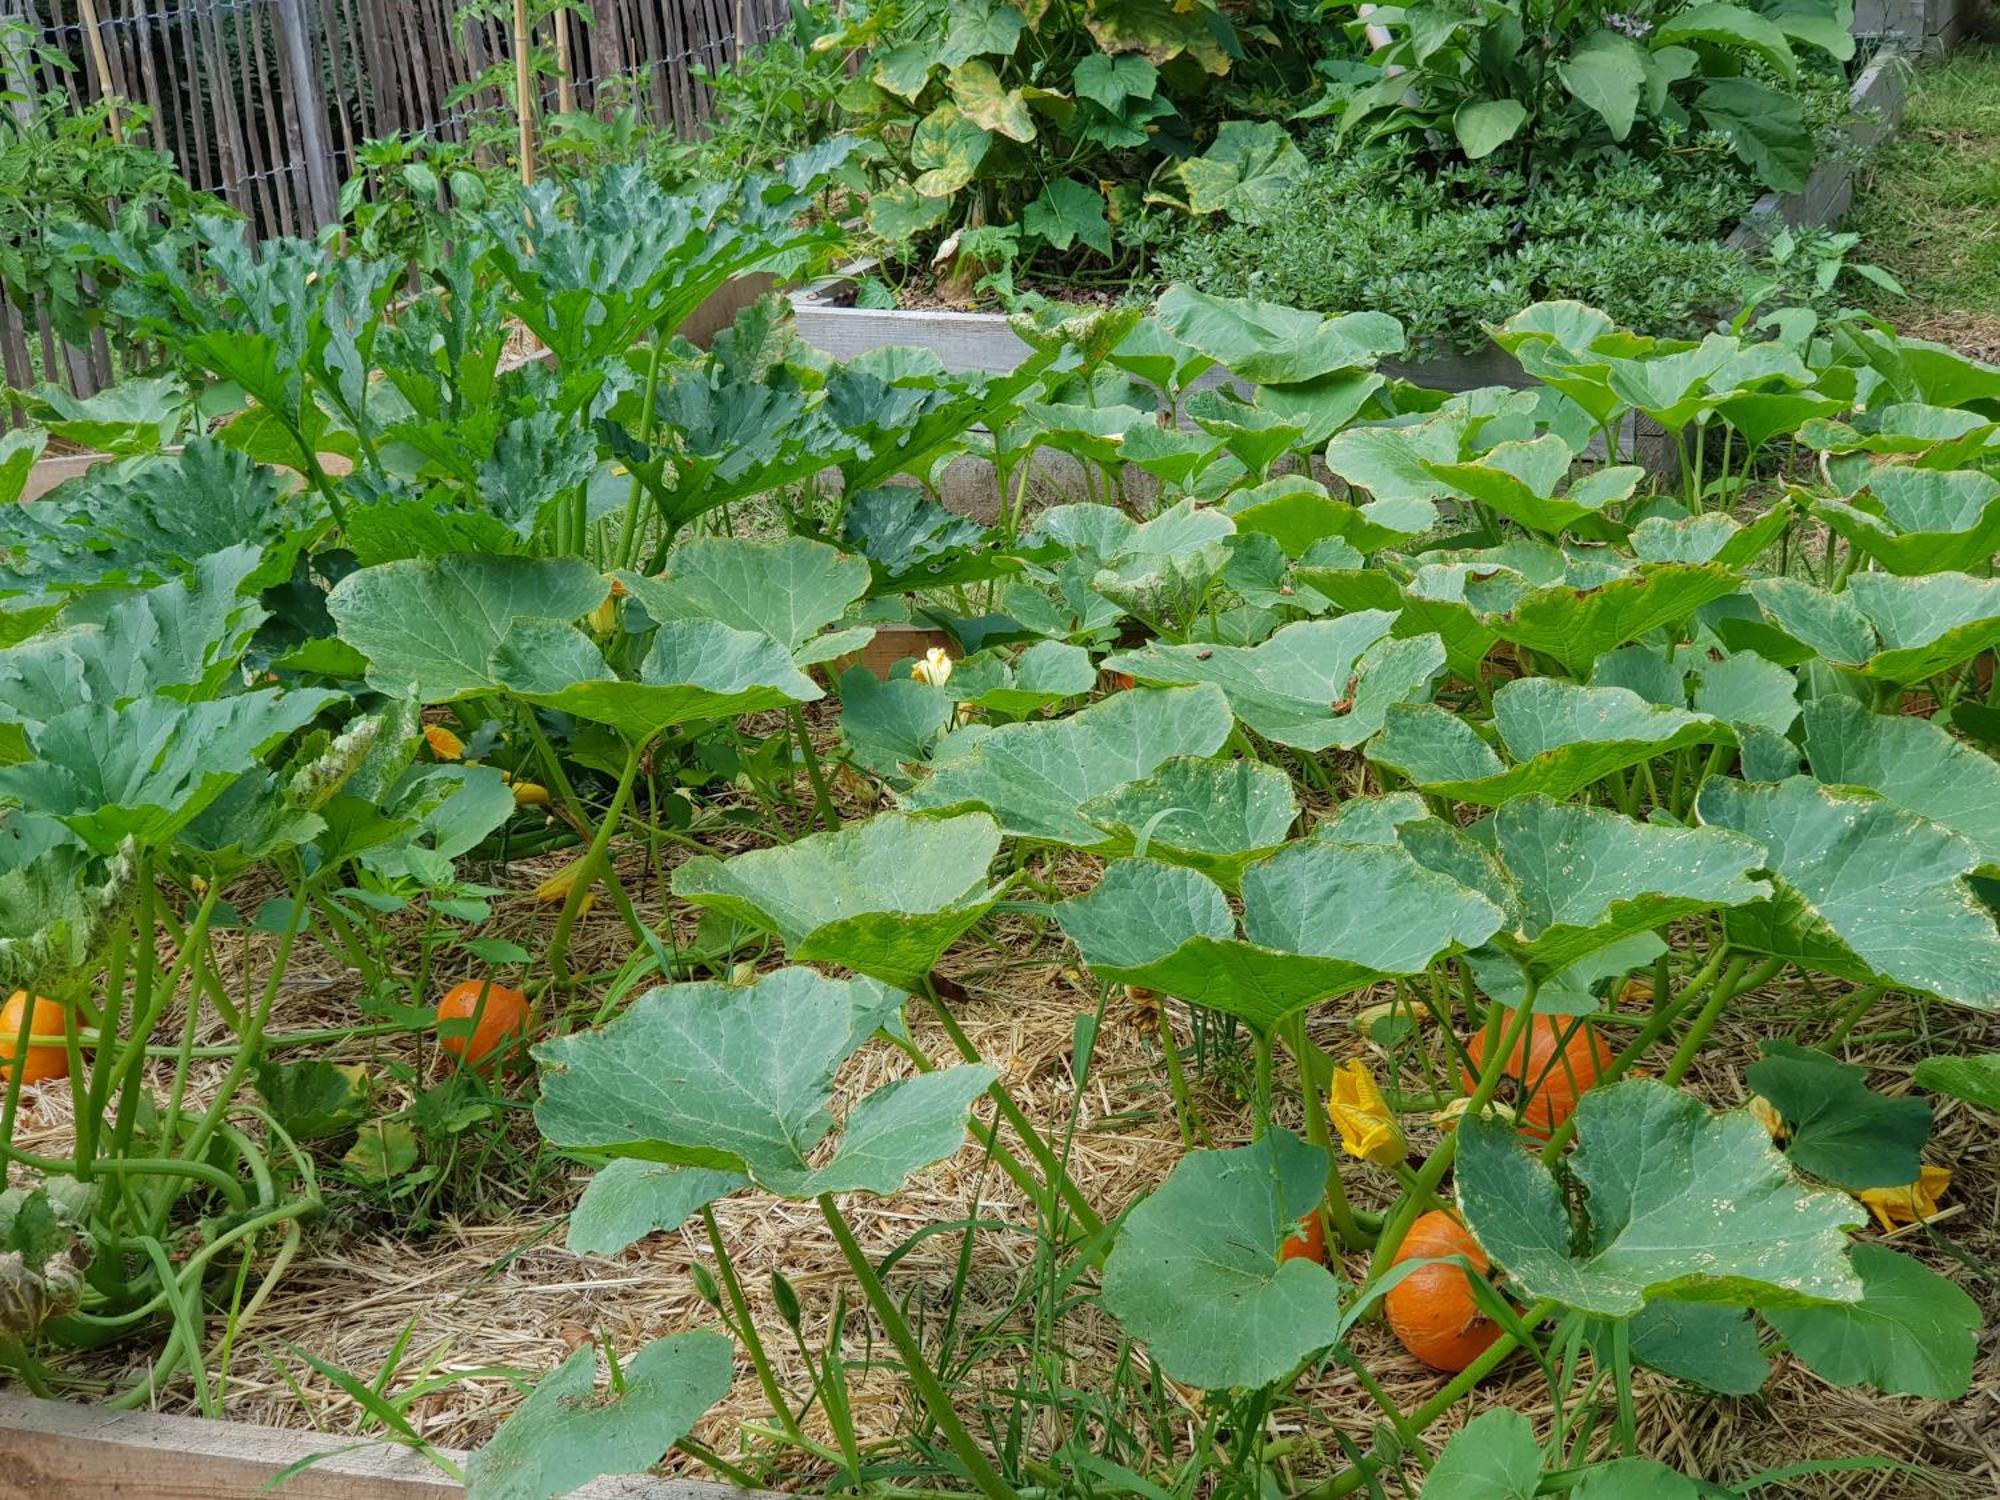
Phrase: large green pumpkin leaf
[1312,927]
[1587,877]
[567,1434]
[1493,1457]
[1915,764]
[1927,625]
[147,768]
[1913,1333]
[1034,776]
[1315,685]
[1682,1203]
[789,589]
[1563,738]
[884,898]
[1709,1345]
[1578,625]
[1195,1273]
[740,1079]
[1038,678]
[430,626]
[1267,343]
[1519,480]
[1840,1130]
[1917,521]
[695,671]
[1215,816]
[630,1199]
[1865,891]
[1973,1079]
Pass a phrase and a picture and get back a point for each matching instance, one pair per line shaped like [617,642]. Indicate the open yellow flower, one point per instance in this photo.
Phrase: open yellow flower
[444,744]
[1359,1112]
[1907,1205]
[1766,1114]
[934,669]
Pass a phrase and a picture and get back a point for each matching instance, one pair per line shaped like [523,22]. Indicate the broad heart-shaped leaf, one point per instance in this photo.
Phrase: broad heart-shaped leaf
[1682,1203]
[1864,890]
[1913,1333]
[1578,625]
[1840,1131]
[695,671]
[1034,776]
[1043,675]
[1463,630]
[789,589]
[1704,1343]
[1710,537]
[739,1078]
[1519,480]
[1493,1457]
[1973,1079]
[1915,764]
[630,1199]
[1196,1276]
[1319,920]
[1215,816]
[889,725]
[1249,170]
[1927,625]
[566,1433]
[1586,877]
[1916,521]
[1270,344]
[430,626]
[1316,684]
[146,769]
[884,898]
[1563,738]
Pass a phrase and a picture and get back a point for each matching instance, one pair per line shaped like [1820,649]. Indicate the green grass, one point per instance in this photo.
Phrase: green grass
[1929,206]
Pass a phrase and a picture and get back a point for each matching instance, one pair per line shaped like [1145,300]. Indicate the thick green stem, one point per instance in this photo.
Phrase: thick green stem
[978,1468]
[593,861]
[822,796]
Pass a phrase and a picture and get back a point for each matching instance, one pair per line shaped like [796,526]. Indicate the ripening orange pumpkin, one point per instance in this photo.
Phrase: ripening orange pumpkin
[39,1064]
[1553,1066]
[1432,1311]
[500,1028]
[1309,1243]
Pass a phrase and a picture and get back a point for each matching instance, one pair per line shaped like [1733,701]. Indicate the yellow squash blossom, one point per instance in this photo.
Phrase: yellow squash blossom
[1359,1112]
[934,669]
[444,744]
[555,890]
[1911,1204]
[1766,1114]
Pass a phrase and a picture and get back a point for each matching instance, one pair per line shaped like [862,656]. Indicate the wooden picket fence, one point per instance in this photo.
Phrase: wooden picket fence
[264,102]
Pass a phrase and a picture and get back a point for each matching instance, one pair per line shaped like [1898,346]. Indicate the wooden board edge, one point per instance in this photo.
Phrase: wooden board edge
[59,1450]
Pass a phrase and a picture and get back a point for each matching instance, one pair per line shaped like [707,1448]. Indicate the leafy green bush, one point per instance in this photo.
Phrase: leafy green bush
[1448,251]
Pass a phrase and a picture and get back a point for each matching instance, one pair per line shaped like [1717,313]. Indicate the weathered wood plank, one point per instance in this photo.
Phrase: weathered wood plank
[58,1451]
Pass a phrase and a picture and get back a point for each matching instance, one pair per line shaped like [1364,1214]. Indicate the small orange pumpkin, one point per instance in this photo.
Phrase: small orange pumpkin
[38,1063]
[500,1018]
[1309,1243]
[1553,1066]
[1432,1311]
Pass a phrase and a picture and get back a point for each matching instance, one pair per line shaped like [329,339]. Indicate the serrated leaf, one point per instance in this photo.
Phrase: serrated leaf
[1864,891]
[884,898]
[1917,521]
[1195,1272]
[1682,1203]
[788,589]
[1973,1079]
[1034,776]
[566,1434]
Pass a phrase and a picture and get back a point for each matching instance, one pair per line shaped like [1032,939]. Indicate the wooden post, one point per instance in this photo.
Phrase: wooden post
[524,98]
[565,73]
[93,34]
[295,39]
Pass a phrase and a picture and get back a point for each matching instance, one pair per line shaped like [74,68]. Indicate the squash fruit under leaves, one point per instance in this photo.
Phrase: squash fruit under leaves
[501,1027]
[1432,1311]
[39,1063]
[1553,1066]
[1309,1243]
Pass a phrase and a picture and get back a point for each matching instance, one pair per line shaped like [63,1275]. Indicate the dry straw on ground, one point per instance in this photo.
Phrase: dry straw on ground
[492,1286]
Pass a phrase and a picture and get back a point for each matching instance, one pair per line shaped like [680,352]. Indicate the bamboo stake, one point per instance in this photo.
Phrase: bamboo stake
[565,74]
[94,33]
[524,102]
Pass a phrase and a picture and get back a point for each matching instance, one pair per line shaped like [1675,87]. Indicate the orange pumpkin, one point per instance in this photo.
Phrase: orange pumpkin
[1309,1243]
[1432,1311]
[499,1024]
[40,1063]
[1552,1067]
